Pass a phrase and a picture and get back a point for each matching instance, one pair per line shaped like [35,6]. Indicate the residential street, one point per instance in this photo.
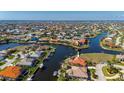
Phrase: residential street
[119,66]
[99,72]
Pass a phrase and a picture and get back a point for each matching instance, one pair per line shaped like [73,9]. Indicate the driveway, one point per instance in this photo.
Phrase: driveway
[99,72]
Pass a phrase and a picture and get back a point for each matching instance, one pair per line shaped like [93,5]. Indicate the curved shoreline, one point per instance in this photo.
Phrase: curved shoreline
[101,45]
[76,47]
[63,51]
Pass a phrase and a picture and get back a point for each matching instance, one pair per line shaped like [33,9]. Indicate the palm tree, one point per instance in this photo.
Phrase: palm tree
[109,64]
[121,75]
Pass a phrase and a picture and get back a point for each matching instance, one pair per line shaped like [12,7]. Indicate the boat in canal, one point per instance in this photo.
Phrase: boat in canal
[41,65]
[55,73]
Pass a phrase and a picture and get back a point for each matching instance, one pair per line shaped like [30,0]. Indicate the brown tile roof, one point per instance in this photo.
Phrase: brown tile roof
[76,71]
[82,40]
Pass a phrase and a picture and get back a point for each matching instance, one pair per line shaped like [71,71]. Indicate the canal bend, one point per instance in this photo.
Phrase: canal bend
[53,62]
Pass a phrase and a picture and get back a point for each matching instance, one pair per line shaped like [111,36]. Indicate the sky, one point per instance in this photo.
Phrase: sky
[61,15]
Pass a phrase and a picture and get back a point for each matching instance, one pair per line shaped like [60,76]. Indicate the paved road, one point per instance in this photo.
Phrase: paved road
[119,66]
[99,72]
[122,68]
[117,75]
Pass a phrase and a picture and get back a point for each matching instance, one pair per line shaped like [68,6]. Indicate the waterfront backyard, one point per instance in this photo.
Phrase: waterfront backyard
[94,53]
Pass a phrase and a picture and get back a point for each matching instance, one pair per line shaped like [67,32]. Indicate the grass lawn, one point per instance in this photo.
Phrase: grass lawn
[97,57]
[21,48]
[15,52]
[2,63]
[121,64]
[16,61]
[11,57]
[106,73]
[92,72]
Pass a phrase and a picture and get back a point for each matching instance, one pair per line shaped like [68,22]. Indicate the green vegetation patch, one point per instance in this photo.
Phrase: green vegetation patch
[106,73]
[2,63]
[92,74]
[11,57]
[16,61]
[97,57]
[121,64]
[109,48]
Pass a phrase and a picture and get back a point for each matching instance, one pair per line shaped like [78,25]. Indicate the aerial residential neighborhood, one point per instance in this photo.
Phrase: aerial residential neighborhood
[61,50]
[88,51]
[62,46]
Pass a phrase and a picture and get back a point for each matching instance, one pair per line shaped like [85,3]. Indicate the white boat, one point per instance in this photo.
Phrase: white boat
[41,65]
[29,79]
[55,73]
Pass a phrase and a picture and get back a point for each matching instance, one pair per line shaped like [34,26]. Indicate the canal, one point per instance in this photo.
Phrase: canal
[10,45]
[53,63]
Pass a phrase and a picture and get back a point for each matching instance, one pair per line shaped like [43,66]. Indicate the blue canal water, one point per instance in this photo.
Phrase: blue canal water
[95,46]
[53,63]
[10,45]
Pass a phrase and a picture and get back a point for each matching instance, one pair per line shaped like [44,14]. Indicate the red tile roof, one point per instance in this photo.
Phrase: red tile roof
[82,40]
[78,60]
[11,72]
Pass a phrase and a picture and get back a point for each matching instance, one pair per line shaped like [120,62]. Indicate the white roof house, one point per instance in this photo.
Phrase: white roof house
[3,53]
[36,54]
[108,39]
[120,57]
[26,62]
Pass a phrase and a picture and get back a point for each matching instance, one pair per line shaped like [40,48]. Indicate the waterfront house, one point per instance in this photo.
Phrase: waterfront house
[26,62]
[77,72]
[120,57]
[42,48]
[82,41]
[3,53]
[77,61]
[21,55]
[54,40]
[44,39]
[111,45]
[75,42]
[35,54]
[10,72]
[108,39]
[77,68]
[111,35]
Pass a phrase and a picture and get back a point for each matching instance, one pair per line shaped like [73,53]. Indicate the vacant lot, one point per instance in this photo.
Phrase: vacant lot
[97,57]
